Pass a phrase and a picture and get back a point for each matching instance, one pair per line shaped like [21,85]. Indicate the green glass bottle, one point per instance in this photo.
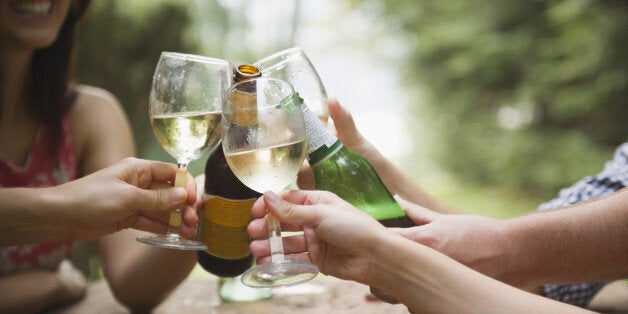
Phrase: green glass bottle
[347,174]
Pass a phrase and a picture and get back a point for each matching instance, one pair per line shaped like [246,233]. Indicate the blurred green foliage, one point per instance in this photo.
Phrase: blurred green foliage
[119,44]
[528,94]
[523,94]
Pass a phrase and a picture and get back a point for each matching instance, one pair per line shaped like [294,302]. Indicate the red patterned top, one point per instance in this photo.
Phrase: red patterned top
[41,170]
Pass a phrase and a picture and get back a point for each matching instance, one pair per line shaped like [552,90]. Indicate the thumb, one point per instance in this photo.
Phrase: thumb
[418,214]
[160,199]
[288,212]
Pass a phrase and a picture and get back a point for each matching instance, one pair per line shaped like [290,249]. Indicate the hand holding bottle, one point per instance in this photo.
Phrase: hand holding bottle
[349,175]
[345,129]
[395,179]
[349,135]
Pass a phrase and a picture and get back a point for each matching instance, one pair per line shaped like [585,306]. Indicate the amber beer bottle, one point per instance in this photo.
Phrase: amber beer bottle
[226,209]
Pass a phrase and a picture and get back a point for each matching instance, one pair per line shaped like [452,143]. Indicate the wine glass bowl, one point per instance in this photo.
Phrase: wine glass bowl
[185,103]
[185,113]
[264,141]
[264,134]
[293,66]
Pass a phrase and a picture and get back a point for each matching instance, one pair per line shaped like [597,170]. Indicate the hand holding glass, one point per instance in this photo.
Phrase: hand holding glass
[263,137]
[185,113]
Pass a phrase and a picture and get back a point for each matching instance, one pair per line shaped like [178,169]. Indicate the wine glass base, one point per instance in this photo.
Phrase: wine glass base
[279,274]
[170,242]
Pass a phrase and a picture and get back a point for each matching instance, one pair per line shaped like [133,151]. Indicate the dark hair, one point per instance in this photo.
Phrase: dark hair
[50,73]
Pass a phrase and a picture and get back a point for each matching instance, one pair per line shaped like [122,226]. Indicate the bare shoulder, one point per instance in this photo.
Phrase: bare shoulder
[95,99]
[94,106]
[97,117]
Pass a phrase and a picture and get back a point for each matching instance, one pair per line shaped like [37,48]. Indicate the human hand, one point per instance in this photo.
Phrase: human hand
[348,134]
[72,283]
[333,237]
[471,240]
[200,189]
[346,130]
[37,290]
[133,193]
[475,241]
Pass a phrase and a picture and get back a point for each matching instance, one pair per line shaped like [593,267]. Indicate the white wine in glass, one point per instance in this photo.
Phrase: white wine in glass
[185,113]
[279,162]
[263,138]
[187,134]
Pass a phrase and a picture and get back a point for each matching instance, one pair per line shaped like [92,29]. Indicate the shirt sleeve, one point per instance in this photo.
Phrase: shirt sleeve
[611,179]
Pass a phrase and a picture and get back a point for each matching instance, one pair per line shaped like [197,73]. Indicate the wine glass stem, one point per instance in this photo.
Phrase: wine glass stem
[174,223]
[274,235]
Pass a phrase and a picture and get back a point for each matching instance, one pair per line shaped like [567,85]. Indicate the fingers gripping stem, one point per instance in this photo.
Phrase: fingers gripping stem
[274,235]
[175,216]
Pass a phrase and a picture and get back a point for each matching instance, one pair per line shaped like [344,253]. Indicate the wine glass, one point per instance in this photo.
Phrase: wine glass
[294,67]
[185,112]
[264,141]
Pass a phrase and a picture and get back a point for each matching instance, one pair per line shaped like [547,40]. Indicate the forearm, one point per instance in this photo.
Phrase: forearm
[586,242]
[31,215]
[139,275]
[427,281]
[398,182]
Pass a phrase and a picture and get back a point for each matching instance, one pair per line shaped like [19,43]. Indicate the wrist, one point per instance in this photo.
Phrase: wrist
[414,275]
[374,156]
[58,214]
[380,164]
[388,266]
[511,265]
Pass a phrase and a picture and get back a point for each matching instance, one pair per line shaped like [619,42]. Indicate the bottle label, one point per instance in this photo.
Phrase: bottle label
[223,226]
[321,143]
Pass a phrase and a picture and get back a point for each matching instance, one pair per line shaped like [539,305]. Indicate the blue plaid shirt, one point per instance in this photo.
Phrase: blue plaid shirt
[612,178]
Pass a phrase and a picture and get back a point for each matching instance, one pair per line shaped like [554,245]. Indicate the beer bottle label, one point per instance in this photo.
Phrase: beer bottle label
[224,223]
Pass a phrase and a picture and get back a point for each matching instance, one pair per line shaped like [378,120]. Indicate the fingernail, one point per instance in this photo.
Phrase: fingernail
[271,197]
[179,193]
